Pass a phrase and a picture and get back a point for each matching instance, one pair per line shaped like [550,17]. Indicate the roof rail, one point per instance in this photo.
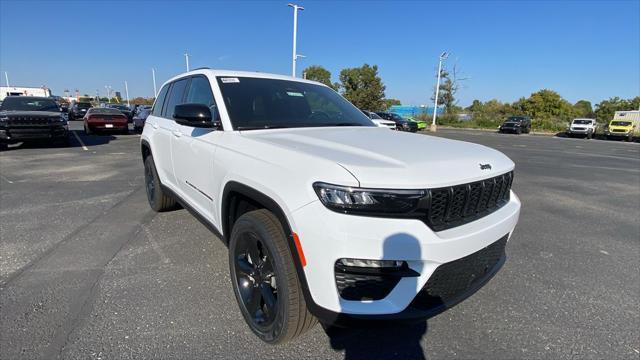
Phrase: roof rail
[201,68]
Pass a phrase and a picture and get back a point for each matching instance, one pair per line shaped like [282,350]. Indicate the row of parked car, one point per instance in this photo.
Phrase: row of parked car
[25,118]
[581,127]
[108,116]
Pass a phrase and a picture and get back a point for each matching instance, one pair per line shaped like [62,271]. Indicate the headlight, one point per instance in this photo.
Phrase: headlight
[360,200]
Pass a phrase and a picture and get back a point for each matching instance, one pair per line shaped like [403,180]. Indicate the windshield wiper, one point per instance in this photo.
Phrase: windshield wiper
[241,128]
[341,124]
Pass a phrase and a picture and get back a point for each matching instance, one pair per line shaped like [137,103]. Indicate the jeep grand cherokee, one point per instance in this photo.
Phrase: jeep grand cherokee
[326,216]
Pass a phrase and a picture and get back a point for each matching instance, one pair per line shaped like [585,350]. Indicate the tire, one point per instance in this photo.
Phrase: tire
[272,278]
[519,131]
[590,135]
[159,201]
[87,130]
[630,138]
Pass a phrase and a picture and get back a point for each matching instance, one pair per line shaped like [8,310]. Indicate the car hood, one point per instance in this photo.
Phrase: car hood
[619,127]
[30,113]
[381,158]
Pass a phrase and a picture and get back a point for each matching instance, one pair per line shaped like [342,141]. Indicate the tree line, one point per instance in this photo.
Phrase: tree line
[549,111]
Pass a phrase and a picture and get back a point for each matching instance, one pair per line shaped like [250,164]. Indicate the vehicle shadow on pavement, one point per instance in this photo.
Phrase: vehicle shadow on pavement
[386,339]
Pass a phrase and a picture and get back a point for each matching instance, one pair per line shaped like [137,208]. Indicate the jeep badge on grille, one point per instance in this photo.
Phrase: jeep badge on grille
[485,166]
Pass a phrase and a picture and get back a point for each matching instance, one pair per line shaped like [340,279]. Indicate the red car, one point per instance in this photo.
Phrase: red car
[105,119]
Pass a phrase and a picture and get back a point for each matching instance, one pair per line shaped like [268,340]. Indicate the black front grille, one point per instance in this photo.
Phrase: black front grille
[454,280]
[28,120]
[456,205]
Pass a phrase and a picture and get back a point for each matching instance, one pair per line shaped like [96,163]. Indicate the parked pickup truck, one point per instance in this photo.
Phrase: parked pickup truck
[26,118]
[325,215]
[582,127]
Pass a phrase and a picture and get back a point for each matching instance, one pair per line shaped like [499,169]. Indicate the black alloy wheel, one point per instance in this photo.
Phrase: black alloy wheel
[256,280]
[150,184]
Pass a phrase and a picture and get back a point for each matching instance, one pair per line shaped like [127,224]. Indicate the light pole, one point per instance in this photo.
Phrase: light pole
[295,35]
[155,91]
[126,91]
[186,57]
[6,77]
[108,88]
[443,57]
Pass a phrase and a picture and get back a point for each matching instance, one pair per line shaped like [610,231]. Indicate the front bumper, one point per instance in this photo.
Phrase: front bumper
[21,133]
[617,133]
[327,236]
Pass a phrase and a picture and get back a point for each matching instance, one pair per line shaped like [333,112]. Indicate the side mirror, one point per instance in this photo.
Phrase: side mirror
[195,115]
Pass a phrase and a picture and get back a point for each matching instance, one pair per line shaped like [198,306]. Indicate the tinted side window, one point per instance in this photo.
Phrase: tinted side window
[200,93]
[157,107]
[176,94]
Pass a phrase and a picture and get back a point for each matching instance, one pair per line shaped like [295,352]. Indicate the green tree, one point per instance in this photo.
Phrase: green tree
[390,102]
[583,109]
[321,75]
[546,105]
[606,108]
[363,87]
[450,82]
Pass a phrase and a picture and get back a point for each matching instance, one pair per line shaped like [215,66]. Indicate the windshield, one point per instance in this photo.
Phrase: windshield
[397,117]
[620,123]
[255,103]
[515,119]
[83,105]
[582,122]
[28,104]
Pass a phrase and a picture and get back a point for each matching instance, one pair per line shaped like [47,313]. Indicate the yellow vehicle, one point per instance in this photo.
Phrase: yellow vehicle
[624,125]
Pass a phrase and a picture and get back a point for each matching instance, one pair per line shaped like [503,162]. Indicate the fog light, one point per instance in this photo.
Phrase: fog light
[371,263]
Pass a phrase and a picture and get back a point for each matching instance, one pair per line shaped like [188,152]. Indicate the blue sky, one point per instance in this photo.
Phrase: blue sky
[582,49]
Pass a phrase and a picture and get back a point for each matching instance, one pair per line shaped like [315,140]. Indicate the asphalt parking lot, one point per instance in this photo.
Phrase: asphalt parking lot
[87,270]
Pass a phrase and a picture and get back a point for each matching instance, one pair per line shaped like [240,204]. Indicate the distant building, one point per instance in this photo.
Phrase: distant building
[413,110]
[23,91]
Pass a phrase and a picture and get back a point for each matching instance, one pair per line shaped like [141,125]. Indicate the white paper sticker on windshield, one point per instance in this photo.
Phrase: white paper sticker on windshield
[229,80]
[292,93]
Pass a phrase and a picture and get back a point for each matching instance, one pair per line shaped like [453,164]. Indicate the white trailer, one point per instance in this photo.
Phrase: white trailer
[23,91]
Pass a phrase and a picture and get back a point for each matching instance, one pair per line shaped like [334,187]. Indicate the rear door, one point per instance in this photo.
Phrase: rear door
[165,126]
[194,150]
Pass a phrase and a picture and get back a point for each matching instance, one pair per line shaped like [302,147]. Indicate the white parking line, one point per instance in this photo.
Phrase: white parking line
[80,140]
[5,179]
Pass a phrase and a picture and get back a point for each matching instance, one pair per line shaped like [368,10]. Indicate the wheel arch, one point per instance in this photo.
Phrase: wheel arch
[234,188]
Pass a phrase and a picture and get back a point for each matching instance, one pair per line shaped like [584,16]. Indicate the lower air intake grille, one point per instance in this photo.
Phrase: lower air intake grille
[452,280]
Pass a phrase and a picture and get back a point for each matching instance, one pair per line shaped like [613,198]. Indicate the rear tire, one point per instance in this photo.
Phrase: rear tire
[158,200]
[87,130]
[266,285]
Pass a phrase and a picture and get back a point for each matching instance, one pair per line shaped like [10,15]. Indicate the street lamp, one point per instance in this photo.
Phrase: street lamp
[155,91]
[126,90]
[443,57]
[295,33]
[186,57]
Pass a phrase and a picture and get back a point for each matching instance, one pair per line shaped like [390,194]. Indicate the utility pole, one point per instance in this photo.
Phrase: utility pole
[6,77]
[443,57]
[126,91]
[186,57]
[295,35]
[155,91]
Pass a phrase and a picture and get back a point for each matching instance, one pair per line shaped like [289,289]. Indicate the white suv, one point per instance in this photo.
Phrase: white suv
[325,215]
[584,127]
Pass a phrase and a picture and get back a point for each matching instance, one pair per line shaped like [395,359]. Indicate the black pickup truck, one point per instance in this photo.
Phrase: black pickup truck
[25,118]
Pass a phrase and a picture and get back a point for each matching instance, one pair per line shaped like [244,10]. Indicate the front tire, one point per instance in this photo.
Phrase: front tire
[159,201]
[264,279]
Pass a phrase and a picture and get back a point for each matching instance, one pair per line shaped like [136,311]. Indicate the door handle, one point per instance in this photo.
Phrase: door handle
[176,133]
